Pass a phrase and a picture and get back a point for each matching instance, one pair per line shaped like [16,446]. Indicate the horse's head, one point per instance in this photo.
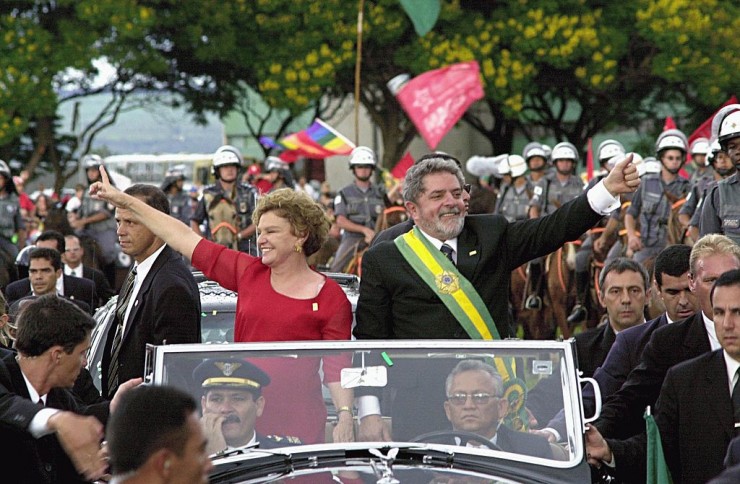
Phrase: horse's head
[223,218]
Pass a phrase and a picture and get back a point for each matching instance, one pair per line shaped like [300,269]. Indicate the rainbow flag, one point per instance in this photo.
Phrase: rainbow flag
[317,141]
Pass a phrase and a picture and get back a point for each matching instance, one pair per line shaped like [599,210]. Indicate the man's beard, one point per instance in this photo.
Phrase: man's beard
[363,178]
[725,172]
[444,230]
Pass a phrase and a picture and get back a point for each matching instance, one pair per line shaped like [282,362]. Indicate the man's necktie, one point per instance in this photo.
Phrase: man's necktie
[736,401]
[122,304]
[447,251]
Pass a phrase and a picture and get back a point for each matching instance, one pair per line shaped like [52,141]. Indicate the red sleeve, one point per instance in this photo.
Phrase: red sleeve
[221,264]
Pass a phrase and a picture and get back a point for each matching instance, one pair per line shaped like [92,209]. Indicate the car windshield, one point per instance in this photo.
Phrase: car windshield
[472,397]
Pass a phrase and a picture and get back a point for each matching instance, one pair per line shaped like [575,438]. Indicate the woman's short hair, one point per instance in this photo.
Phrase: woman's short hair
[305,216]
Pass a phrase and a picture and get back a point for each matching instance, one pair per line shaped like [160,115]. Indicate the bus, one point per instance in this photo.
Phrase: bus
[152,169]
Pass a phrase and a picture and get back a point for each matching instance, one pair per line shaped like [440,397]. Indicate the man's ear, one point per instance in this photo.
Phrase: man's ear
[412,209]
[260,402]
[161,462]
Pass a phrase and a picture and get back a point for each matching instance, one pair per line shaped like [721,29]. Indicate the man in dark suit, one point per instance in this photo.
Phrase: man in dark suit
[672,283]
[159,302]
[475,403]
[46,277]
[395,302]
[45,437]
[72,255]
[696,412]
[622,414]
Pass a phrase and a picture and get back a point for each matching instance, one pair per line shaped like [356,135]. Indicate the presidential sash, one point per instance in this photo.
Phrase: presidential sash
[463,301]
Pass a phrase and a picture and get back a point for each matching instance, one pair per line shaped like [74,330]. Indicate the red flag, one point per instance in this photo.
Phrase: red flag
[705,129]
[437,99]
[669,124]
[399,171]
[590,160]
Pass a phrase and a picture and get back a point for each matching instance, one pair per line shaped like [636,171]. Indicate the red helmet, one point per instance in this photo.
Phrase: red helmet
[254,170]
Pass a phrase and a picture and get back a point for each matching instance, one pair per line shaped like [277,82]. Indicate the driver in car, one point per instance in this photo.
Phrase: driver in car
[232,401]
[475,404]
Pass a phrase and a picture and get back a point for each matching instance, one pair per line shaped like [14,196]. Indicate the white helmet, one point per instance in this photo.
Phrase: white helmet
[726,123]
[650,164]
[547,150]
[362,156]
[533,149]
[273,163]
[564,151]
[5,171]
[671,139]
[700,146]
[517,165]
[91,161]
[608,149]
[486,165]
[227,155]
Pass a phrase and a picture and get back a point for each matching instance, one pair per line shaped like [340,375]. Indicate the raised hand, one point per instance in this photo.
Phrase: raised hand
[623,178]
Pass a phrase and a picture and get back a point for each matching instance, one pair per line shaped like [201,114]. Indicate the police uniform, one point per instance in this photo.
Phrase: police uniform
[550,193]
[10,223]
[360,207]
[721,209]
[245,202]
[239,374]
[513,202]
[179,202]
[653,207]
[104,231]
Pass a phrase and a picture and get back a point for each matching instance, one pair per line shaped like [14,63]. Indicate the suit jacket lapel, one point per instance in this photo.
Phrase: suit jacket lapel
[145,286]
[468,253]
[697,339]
[717,385]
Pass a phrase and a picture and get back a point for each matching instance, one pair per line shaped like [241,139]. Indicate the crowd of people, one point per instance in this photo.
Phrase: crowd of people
[444,272]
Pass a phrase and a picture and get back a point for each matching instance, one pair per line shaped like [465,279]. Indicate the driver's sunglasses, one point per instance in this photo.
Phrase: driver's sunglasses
[467,187]
[478,398]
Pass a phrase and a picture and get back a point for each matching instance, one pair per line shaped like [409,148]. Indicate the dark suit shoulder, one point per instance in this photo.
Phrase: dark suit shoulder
[523,443]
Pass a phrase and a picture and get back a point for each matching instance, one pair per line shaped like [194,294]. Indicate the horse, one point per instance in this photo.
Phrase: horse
[536,323]
[222,220]
[391,216]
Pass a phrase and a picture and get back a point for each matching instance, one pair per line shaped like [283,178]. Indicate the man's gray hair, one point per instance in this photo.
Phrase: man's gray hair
[413,185]
[476,365]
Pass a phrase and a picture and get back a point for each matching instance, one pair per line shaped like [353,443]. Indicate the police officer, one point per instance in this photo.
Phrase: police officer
[357,207]
[550,193]
[653,201]
[278,174]
[172,186]
[236,215]
[95,220]
[12,229]
[537,161]
[723,167]
[702,170]
[232,401]
[721,207]
[609,152]
[513,197]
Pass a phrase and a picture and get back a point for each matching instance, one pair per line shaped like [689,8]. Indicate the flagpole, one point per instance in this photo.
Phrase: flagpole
[358,66]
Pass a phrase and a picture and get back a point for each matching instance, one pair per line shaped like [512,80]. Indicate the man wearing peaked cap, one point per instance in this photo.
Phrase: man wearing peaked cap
[232,401]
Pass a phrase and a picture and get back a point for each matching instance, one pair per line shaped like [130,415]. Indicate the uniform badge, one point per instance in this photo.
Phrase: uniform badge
[242,206]
[730,223]
[228,369]
[447,282]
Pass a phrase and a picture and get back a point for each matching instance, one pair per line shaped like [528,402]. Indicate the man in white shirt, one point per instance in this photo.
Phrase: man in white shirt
[72,255]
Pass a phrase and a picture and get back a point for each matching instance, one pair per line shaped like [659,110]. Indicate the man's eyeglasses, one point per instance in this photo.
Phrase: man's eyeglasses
[478,398]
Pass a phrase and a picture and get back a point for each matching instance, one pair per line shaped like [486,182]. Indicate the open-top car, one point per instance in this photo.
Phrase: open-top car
[452,411]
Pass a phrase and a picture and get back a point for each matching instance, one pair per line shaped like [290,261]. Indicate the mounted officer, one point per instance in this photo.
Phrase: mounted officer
[227,205]
[12,228]
[172,186]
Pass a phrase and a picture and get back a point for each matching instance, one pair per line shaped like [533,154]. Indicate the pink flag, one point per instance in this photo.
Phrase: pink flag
[590,160]
[437,99]
[669,124]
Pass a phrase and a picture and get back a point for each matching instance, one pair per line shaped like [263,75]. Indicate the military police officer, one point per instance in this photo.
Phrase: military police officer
[228,223]
[232,401]
[721,207]
[357,207]
[172,186]
[513,197]
[95,220]
[278,174]
[12,229]
[653,201]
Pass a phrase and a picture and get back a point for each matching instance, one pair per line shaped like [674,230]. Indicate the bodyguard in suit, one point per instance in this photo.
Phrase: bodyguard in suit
[72,257]
[475,403]
[622,414]
[698,411]
[46,277]
[46,439]
[396,302]
[159,302]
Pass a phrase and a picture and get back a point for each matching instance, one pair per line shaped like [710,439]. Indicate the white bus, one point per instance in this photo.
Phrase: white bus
[152,169]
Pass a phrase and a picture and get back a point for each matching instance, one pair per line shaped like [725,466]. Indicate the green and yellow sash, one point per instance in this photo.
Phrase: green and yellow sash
[463,301]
